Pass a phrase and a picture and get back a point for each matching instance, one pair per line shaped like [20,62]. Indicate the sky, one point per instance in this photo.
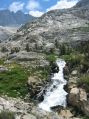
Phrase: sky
[36,8]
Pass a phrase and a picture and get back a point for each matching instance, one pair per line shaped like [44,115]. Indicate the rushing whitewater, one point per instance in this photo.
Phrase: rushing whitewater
[55,94]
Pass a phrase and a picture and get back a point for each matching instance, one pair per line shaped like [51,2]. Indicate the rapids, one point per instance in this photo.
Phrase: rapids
[55,94]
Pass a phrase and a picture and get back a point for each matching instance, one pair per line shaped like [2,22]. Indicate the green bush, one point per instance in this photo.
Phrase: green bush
[15,50]
[84,66]
[4,49]
[65,49]
[73,59]
[84,81]
[27,47]
[7,115]
[51,58]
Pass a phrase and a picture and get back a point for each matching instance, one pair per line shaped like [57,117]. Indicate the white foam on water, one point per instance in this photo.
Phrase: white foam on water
[55,94]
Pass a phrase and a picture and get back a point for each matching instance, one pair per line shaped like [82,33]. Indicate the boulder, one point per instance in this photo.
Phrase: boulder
[18,117]
[3,55]
[3,69]
[74,72]
[49,47]
[74,96]
[78,98]
[39,45]
[35,86]
[66,114]
[28,116]
[41,114]
[72,82]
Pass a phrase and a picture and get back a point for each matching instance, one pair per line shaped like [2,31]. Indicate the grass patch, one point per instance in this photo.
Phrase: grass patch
[7,115]
[43,73]
[14,82]
[51,57]
[1,61]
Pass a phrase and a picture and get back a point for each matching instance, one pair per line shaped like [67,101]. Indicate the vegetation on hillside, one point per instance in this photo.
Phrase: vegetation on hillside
[14,81]
[7,115]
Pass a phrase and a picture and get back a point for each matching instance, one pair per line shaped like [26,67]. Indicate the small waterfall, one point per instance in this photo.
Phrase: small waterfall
[55,94]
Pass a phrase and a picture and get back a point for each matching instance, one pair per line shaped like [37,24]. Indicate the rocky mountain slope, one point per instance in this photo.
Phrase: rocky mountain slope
[55,27]
[8,18]
[83,3]
[6,32]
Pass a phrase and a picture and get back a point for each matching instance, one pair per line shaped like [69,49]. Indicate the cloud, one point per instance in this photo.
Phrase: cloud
[16,6]
[34,8]
[32,5]
[36,13]
[63,4]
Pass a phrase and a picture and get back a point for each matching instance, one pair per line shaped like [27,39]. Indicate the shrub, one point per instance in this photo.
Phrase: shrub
[7,115]
[84,81]
[27,47]
[1,61]
[51,58]
[65,49]
[84,66]
[73,59]
[62,49]
[4,49]
[15,50]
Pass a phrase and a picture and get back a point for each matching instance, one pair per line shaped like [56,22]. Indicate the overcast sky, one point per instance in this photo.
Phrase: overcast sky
[36,7]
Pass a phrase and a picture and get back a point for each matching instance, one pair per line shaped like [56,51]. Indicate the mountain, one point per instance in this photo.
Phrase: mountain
[8,18]
[55,27]
[6,32]
[83,3]
[81,9]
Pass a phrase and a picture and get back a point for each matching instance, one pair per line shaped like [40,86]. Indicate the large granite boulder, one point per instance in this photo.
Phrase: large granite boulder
[78,98]
[35,87]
